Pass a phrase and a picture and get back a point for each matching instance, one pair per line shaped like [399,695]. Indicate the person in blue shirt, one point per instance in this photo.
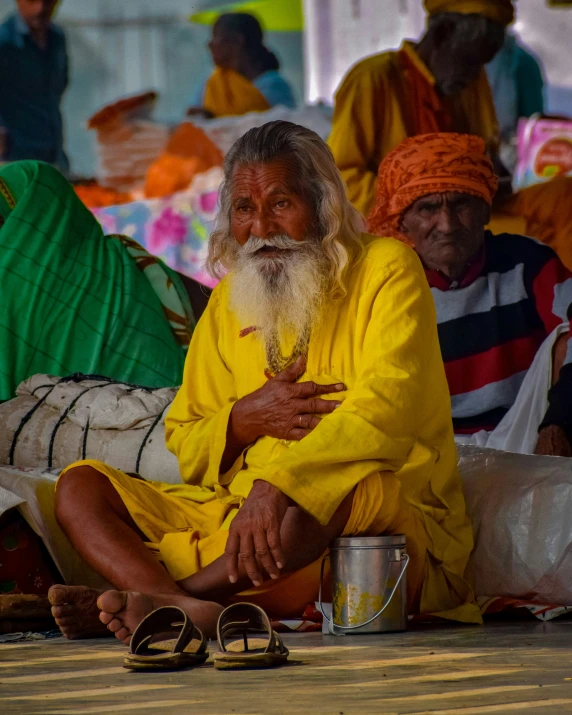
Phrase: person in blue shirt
[247,76]
[517,84]
[33,78]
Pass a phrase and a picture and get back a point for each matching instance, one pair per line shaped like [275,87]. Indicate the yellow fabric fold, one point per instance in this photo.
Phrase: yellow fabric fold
[228,93]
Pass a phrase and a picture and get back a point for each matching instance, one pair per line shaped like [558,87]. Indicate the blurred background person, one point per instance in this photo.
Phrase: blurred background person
[33,79]
[517,84]
[247,76]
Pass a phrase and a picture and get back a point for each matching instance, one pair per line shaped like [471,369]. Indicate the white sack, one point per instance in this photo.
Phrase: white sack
[125,426]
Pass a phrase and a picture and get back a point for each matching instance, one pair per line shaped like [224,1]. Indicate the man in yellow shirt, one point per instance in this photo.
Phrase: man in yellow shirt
[440,85]
[314,404]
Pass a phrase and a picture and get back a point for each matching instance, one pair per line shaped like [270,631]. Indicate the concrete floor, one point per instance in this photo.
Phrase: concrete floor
[523,667]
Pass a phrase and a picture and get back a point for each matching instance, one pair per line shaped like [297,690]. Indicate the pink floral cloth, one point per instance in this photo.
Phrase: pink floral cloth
[175,229]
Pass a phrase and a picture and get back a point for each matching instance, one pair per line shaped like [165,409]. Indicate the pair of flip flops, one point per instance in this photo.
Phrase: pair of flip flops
[152,649]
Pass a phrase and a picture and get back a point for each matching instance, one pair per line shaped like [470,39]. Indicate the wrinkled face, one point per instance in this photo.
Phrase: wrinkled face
[37,13]
[455,64]
[280,270]
[266,204]
[446,229]
[224,47]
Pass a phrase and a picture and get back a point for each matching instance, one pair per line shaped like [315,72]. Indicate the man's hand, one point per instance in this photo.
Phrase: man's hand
[282,408]
[553,442]
[254,536]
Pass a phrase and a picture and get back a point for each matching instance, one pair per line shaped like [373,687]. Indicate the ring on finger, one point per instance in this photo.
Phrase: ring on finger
[300,420]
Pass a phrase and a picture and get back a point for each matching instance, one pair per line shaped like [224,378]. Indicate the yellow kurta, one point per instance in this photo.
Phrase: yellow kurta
[374,113]
[228,93]
[392,437]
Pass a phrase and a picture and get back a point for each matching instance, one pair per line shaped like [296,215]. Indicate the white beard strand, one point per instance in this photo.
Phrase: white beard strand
[280,295]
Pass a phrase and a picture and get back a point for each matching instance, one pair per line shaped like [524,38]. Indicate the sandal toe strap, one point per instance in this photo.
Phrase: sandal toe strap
[163,620]
[242,619]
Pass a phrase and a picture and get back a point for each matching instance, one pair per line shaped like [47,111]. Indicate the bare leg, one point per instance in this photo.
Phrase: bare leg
[91,513]
[75,611]
[304,540]
[98,524]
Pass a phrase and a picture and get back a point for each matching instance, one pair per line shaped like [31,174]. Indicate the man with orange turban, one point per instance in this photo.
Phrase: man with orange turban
[439,84]
[501,300]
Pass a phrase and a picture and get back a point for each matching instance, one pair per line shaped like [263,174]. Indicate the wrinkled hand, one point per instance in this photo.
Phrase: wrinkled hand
[553,442]
[254,535]
[282,408]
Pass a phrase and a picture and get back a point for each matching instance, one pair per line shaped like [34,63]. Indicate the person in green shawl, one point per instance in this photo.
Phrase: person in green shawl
[73,300]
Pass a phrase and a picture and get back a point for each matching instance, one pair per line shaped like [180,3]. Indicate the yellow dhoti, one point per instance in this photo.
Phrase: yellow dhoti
[187,528]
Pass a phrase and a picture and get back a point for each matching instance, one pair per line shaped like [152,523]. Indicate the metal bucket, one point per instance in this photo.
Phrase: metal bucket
[368,584]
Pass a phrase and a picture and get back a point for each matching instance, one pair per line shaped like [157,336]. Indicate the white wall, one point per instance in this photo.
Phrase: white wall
[548,33]
[341,32]
[120,47]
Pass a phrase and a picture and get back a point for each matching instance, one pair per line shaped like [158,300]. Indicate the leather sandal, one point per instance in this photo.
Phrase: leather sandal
[151,648]
[244,619]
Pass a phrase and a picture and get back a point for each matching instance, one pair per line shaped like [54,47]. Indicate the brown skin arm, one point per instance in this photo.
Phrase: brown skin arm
[552,440]
[303,541]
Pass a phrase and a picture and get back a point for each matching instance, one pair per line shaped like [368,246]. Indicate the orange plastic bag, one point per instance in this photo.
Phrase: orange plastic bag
[189,152]
[95,196]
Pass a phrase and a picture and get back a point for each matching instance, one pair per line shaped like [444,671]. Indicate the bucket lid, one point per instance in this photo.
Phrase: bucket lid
[369,542]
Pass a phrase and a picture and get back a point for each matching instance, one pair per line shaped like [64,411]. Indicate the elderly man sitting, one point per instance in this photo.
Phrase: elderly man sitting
[314,404]
[497,297]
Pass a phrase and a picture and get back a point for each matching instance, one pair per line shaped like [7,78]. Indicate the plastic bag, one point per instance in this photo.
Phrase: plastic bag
[520,506]
[544,150]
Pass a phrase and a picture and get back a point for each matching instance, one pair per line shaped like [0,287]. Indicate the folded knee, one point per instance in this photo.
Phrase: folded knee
[79,489]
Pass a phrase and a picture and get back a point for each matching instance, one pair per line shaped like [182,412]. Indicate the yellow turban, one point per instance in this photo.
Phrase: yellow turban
[498,10]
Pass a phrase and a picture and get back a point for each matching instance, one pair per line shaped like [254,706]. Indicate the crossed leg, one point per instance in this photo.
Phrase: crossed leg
[96,521]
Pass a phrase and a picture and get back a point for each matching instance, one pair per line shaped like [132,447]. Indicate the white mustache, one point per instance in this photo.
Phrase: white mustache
[282,242]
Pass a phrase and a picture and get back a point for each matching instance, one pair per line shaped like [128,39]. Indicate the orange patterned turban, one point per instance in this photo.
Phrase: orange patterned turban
[498,10]
[429,164]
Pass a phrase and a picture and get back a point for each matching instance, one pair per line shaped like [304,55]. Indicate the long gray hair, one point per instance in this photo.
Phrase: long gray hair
[340,225]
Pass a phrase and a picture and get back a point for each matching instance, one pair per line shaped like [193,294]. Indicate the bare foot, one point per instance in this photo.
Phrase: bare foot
[122,611]
[75,611]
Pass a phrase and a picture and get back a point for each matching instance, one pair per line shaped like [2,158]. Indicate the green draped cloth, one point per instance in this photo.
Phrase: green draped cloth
[74,300]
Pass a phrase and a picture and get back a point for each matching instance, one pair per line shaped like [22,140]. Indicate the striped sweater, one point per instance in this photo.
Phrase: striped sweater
[492,322]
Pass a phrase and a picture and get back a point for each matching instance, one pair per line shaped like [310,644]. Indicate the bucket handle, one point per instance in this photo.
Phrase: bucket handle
[405,564]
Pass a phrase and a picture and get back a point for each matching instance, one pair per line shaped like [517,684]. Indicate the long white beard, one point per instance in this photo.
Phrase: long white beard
[279,295]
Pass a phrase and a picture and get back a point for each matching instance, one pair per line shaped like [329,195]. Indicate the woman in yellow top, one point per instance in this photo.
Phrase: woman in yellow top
[247,77]
[314,404]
